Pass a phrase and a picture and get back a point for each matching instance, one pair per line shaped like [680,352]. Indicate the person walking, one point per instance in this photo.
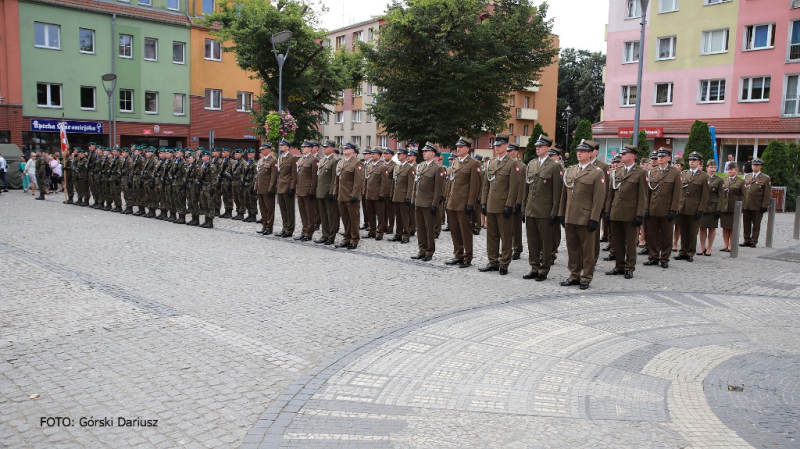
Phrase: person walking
[3,170]
[30,172]
[25,181]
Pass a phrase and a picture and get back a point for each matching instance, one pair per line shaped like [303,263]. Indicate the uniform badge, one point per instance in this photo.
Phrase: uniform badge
[412,173]
[387,172]
[441,173]
[359,167]
[479,169]
[602,180]
[516,168]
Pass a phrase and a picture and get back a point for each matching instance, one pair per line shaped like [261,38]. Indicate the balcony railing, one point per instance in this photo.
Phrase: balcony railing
[791,106]
[527,114]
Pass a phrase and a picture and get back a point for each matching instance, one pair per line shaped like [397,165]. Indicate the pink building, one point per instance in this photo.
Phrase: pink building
[732,63]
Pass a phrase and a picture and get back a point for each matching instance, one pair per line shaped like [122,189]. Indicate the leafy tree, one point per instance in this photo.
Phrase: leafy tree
[581,87]
[582,132]
[643,148]
[530,150]
[699,142]
[312,74]
[782,164]
[447,66]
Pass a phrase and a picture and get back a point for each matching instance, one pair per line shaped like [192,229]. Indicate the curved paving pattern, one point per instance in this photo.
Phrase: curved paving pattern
[636,370]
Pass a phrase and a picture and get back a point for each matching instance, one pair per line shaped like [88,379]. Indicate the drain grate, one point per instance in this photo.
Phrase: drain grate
[786,255]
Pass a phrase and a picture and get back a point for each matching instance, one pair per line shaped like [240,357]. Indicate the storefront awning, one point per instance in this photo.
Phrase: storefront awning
[729,127]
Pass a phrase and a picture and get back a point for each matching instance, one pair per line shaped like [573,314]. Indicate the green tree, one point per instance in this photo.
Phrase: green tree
[447,66]
[782,164]
[530,150]
[312,74]
[699,142]
[582,132]
[581,87]
[643,148]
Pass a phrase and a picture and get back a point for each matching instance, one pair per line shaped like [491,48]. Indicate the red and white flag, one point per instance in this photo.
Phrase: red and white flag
[64,141]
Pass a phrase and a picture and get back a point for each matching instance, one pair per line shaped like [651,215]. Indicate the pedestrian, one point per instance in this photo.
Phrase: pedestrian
[57,176]
[42,173]
[732,191]
[748,166]
[729,162]
[3,169]
[758,192]
[711,215]
[25,180]
[30,172]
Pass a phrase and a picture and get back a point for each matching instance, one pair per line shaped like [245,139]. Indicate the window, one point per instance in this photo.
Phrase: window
[791,99]
[525,130]
[174,4]
[339,140]
[527,102]
[759,37]
[631,52]
[666,47]
[356,116]
[341,94]
[357,140]
[178,104]
[151,102]
[373,88]
[146,2]
[628,95]
[634,9]
[795,4]
[712,91]
[214,99]
[714,2]
[383,141]
[511,101]
[369,141]
[755,89]
[48,95]
[340,117]
[47,35]
[663,93]
[86,41]
[208,6]
[340,42]
[244,101]
[371,34]
[125,46]
[178,52]
[213,50]
[715,41]
[369,117]
[667,6]
[511,128]
[125,100]
[358,36]
[357,92]
[150,49]
[88,98]
[794,42]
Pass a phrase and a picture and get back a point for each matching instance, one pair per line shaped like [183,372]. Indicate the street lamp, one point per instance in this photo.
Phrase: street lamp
[111,78]
[567,115]
[280,38]
[639,78]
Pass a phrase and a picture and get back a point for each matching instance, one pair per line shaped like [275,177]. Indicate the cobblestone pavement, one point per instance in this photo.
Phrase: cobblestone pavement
[231,339]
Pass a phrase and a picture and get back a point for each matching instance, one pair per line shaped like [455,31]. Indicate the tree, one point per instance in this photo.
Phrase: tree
[643,148]
[581,87]
[312,75]
[582,132]
[782,164]
[530,150]
[699,141]
[446,67]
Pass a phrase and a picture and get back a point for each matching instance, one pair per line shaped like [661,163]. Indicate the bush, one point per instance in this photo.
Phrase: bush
[782,164]
[699,142]
[530,150]
[582,132]
[643,148]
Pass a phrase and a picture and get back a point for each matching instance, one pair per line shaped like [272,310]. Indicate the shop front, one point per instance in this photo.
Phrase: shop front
[155,135]
[44,134]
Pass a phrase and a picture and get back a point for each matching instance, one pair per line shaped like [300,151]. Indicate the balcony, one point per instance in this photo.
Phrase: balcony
[523,140]
[532,88]
[527,114]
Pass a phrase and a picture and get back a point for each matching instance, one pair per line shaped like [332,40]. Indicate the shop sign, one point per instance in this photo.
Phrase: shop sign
[651,131]
[73,126]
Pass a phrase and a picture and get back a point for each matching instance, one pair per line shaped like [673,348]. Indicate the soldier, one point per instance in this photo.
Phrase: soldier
[412,220]
[581,206]
[465,174]
[158,184]
[91,156]
[287,183]
[440,211]
[664,182]
[402,191]
[248,178]
[389,166]
[237,188]
[733,190]
[69,174]
[498,199]
[105,181]
[693,202]
[206,185]
[604,224]
[307,166]
[265,186]
[326,200]
[518,217]
[426,199]
[178,195]
[225,182]
[96,176]
[651,163]
[123,175]
[713,211]
[81,175]
[145,180]
[627,206]
[555,154]
[616,162]
[758,188]
[477,223]
[188,186]
[377,188]
[347,188]
[541,199]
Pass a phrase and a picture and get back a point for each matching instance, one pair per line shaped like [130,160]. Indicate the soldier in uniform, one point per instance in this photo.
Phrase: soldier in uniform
[579,212]
[121,181]
[518,217]
[389,166]
[465,174]
[189,183]
[69,175]
[134,176]
[498,199]
[732,191]
[237,188]
[402,191]
[412,220]
[287,183]
[758,192]
[378,189]
[616,162]
[627,206]
[146,182]
[225,182]
[326,200]
[178,177]
[664,182]
[206,184]
[694,200]
[428,192]
[248,178]
[307,166]
[81,175]
[347,187]
[604,224]
[555,154]
[477,224]
[158,184]
[713,211]
[541,200]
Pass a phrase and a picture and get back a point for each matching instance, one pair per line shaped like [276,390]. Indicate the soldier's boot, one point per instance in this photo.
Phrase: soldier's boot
[194,221]
[249,219]
[226,215]
[128,210]
[216,213]
[107,207]
[151,213]
[69,201]
[206,222]
[160,215]
[167,216]
[174,217]
[139,212]
[41,195]
[181,219]
[117,209]
[238,216]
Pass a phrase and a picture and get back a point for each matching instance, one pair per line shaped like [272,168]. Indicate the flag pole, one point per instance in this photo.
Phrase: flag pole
[64,154]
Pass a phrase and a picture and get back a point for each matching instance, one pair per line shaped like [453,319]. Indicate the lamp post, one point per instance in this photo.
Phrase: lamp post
[110,78]
[639,78]
[567,115]
[280,38]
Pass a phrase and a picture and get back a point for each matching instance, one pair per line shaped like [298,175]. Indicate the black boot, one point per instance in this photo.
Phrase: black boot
[194,221]
[160,215]
[226,215]
[238,216]
[128,210]
[216,213]
[206,223]
[168,217]
[69,201]
[139,212]
[151,213]
[181,219]
[107,208]
[41,195]
[117,209]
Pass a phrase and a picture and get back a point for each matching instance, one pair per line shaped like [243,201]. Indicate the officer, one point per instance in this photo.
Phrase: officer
[266,185]
[732,191]
[287,183]
[123,175]
[326,200]
[476,217]
[189,185]
[694,201]
[147,181]
[158,184]
[627,206]
[389,166]
[347,187]
[238,168]
[605,227]
[498,199]
[307,166]
[376,188]
[226,165]
[412,220]
[440,211]
[69,175]
[206,183]
[519,215]
[402,191]
[758,188]
[710,219]
[541,200]
[664,182]
[616,162]
[465,174]
[555,154]
[166,193]
[248,178]
[427,199]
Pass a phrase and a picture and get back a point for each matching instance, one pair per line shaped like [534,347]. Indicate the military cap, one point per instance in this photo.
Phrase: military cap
[757,161]
[478,158]
[91,143]
[80,150]
[429,146]
[328,143]
[412,152]
[226,149]
[616,158]
[585,145]
[500,139]
[402,151]
[336,150]
[367,151]
[215,150]
[199,149]
[205,153]
[512,147]
[125,150]
[453,156]
[694,156]
[711,163]
[678,161]
[189,153]
[664,152]
[377,150]
[543,141]
[464,142]
[306,143]
[554,152]
[285,142]
[628,148]
[240,151]
[654,155]
[250,150]
[263,145]
[150,149]
[388,151]
[351,146]
[179,150]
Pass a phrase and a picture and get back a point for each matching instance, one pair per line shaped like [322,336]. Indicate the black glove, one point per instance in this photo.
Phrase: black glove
[213,193]
[671,215]
[507,211]
[638,221]
[563,221]
[331,197]
[553,219]
[441,199]
[592,226]
[483,209]
[470,209]
[270,193]
[291,193]
[763,210]
[517,207]
[433,210]
[717,214]
[130,185]
[408,203]
[608,216]
[353,199]
[698,214]
[252,191]
[523,218]
[381,199]
[647,214]
[312,196]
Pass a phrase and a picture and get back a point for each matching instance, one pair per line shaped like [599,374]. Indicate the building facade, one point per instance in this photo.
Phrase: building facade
[732,63]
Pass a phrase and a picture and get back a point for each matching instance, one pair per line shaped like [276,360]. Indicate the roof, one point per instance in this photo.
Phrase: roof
[375,19]
[104,7]
[757,125]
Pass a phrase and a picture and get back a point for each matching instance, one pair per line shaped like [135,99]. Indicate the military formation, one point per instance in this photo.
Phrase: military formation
[398,195]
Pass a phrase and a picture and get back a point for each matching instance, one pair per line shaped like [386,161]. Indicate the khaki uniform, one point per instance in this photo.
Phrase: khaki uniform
[500,190]
[758,192]
[541,201]
[388,224]
[266,185]
[376,191]
[307,192]
[694,198]
[581,202]
[326,201]
[428,191]
[516,228]
[665,196]
[348,186]
[605,226]
[709,218]
[465,187]
[287,183]
[403,181]
[733,190]
[627,200]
